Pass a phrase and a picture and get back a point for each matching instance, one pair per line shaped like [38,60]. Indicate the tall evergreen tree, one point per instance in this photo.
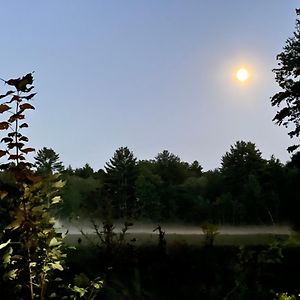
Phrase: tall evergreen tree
[85,172]
[47,162]
[170,168]
[242,160]
[241,167]
[173,172]
[120,177]
[195,169]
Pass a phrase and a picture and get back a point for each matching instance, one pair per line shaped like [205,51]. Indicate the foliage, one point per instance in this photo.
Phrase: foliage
[196,169]
[170,168]
[287,76]
[121,174]
[172,172]
[285,296]
[273,254]
[34,253]
[47,162]
[247,189]
[33,250]
[241,169]
[108,237]
[148,190]
[81,197]
[242,159]
[295,161]
[84,288]
[85,172]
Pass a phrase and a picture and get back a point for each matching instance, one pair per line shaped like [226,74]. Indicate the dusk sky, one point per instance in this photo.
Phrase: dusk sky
[149,75]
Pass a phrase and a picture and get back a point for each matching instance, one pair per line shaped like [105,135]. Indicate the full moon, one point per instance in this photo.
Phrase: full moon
[242,74]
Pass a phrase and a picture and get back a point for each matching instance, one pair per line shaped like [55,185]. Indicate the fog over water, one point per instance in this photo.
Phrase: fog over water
[74,228]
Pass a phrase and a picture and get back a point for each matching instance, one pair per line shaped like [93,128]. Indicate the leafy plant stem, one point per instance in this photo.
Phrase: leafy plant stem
[16,132]
[30,276]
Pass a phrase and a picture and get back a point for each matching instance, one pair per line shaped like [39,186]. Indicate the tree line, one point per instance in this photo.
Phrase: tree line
[246,189]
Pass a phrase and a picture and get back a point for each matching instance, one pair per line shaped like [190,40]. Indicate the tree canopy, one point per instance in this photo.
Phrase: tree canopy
[119,180]
[47,162]
[246,189]
[287,76]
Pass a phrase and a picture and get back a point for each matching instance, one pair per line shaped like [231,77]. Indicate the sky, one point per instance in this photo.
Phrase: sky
[149,75]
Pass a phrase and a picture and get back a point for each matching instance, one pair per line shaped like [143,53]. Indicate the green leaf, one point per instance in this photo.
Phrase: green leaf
[46,269]
[56,266]
[52,221]
[56,199]
[11,275]
[4,244]
[98,285]
[80,291]
[59,184]
[53,295]
[81,280]
[19,219]
[38,209]
[72,248]
[54,242]
[7,256]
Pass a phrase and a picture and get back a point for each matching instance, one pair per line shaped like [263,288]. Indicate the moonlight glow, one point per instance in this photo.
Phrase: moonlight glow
[242,74]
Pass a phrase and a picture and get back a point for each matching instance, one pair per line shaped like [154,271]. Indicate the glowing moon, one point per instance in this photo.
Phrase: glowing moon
[242,74]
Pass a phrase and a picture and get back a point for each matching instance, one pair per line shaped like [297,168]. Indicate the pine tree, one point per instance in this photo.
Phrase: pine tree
[47,162]
[121,174]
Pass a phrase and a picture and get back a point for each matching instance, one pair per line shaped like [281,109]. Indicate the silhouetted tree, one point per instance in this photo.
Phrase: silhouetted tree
[148,191]
[172,172]
[47,162]
[190,204]
[287,76]
[295,161]
[85,172]
[195,169]
[81,197]
[242,159]
[212,188]
[170,168]
[121,174]
[241,167]
[68,171]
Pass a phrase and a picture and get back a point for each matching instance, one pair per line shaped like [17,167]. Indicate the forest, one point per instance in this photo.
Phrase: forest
[246,189]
